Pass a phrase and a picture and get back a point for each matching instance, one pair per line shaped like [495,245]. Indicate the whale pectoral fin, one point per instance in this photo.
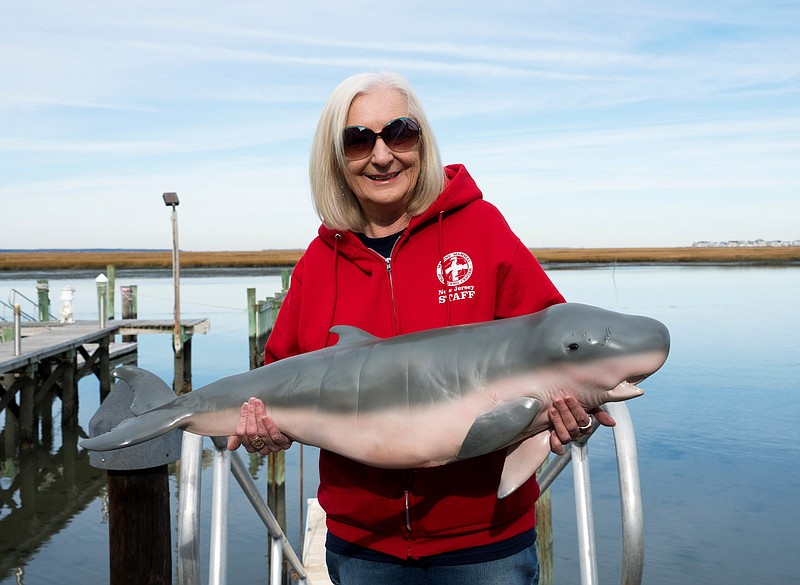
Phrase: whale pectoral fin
[522,461]
[499,426]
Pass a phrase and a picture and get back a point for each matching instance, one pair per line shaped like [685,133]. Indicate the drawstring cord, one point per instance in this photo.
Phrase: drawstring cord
[444,274]
[336,239]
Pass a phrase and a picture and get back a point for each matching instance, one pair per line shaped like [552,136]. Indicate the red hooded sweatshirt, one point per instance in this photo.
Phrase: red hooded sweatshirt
[456,263]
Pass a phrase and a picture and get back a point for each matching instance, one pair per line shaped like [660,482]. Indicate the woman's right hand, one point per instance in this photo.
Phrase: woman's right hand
[257,432]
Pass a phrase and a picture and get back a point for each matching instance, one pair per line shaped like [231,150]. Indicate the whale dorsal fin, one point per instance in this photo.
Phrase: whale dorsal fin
[349,335]
[149,391]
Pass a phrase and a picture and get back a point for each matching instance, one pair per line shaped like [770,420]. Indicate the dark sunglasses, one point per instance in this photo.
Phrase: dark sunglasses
[401,135]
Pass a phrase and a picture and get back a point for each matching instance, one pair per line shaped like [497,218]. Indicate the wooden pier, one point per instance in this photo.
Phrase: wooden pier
[54,356]
[314,545]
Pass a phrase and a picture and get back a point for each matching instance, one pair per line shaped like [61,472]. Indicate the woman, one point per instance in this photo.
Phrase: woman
[404,247]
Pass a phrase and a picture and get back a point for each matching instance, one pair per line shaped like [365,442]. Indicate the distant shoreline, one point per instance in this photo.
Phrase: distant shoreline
[154,259]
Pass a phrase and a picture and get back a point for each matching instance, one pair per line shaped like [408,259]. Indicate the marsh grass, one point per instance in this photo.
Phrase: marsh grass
[76,260]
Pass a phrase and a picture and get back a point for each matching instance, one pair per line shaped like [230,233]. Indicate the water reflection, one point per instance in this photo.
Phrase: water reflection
[41,491]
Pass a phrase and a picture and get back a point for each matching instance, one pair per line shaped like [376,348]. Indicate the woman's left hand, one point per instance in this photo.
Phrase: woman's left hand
[571,422]
[257,432]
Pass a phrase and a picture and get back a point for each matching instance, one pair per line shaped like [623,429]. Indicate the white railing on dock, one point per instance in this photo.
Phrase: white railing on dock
[226,462]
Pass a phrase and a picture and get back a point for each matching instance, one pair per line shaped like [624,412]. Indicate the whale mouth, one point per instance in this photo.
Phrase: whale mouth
[633,380]
[625,390]
[633,387]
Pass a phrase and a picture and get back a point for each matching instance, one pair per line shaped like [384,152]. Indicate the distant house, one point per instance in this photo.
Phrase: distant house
[760,243]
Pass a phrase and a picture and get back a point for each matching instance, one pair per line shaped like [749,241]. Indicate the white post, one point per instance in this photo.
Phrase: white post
[17,331]
[102,290]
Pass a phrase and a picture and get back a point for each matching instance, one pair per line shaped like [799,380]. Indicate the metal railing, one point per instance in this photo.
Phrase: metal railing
[632,566]
[10,307]
[13,299]
[225,462]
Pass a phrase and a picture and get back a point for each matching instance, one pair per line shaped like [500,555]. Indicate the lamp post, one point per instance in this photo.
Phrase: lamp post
[171,200]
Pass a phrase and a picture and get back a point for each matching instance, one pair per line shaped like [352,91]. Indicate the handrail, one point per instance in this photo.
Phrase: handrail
[224,462]
[22,313]
[218,553]
[280,543]
[12,299]
[630,495]
[587,551]
[632,567]
[189,510]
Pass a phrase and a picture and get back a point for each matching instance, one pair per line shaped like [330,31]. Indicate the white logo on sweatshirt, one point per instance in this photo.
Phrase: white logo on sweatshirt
[457,269]
[454,270]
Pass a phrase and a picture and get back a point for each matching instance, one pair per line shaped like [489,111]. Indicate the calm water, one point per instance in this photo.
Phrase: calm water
[715,429]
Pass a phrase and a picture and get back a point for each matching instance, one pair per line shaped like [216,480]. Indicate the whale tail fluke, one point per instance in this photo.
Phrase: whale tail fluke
[151,406]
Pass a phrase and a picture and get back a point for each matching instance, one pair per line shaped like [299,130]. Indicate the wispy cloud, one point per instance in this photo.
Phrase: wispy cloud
[620,105]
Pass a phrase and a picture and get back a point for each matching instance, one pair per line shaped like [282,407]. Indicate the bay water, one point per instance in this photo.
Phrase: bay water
[718,456]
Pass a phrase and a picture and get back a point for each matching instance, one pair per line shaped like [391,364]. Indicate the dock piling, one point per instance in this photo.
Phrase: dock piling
[27,418]
[130,306]
[182,382]
[69,390]
[140,549]
[111,272]
[261,320]
[43,293]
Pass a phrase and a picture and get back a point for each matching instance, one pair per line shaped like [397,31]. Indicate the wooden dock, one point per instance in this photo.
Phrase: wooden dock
[53,356]
[314,545]
[46,339]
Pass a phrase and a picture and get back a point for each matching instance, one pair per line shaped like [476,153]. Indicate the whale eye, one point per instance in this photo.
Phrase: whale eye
[573,346]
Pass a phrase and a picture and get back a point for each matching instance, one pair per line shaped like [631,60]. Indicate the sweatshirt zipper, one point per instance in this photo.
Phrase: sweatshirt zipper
[391,292]
[395,323]
[407,500]
[388,263]
[408,510]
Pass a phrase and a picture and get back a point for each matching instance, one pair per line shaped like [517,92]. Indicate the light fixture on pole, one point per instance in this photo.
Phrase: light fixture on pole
[171,200]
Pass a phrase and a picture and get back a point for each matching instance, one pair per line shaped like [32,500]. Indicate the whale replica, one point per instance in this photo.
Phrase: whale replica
[421,399]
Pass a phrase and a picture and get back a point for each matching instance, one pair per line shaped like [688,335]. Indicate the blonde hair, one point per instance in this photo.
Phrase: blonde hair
[334,202]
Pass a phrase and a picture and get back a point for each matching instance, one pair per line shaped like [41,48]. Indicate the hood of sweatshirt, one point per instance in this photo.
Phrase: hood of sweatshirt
[460,189]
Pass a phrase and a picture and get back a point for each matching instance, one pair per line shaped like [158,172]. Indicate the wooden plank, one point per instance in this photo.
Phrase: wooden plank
[314,545]
[136,326]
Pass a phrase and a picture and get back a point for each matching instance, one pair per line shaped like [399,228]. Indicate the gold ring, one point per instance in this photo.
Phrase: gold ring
[257,443]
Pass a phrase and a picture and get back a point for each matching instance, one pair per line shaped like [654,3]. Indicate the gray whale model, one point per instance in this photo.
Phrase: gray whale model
[422,399]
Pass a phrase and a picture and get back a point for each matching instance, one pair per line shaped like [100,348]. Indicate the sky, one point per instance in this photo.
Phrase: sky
[588,124]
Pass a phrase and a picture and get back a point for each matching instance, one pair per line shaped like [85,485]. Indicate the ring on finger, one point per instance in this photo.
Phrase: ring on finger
[257,443]
[587,426]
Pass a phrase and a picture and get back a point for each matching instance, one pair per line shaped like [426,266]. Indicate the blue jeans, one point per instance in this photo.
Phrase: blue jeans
[521,568]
